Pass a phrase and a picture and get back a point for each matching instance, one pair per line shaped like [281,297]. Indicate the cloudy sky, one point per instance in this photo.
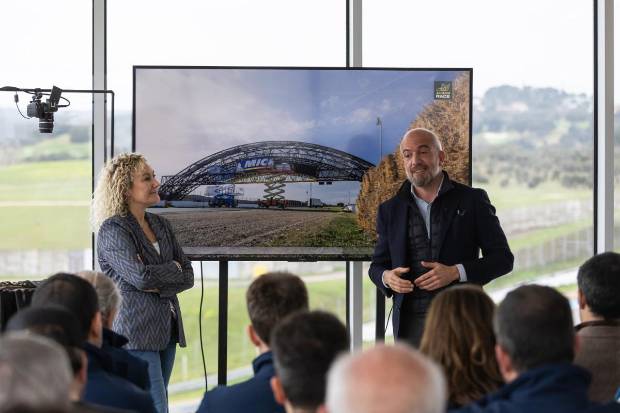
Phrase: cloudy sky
[184,115]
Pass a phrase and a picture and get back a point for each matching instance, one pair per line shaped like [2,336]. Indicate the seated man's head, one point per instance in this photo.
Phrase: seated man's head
[58,324]
[78,297]
[108,295]
[598,280]
[387,379]
[533,327]
[34,373]
[304,346]
[270,298]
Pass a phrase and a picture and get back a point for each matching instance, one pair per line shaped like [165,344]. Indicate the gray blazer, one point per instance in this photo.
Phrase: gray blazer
[129,258]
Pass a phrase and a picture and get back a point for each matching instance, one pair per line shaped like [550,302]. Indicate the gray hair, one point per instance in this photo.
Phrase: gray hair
[34,372]
[387,379]
[107,292]
[423,131]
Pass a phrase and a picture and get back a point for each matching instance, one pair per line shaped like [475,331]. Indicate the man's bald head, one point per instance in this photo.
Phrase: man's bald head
[425,134]
[386,379]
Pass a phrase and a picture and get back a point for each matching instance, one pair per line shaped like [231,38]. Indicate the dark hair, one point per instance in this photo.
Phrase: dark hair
[534,325]
[458,335]
[272,297]
[71,292]
[304,346]
[54,322]
[599,281]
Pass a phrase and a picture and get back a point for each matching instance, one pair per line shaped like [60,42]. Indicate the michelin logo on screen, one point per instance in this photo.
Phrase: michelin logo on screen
[443,89]
[256,163]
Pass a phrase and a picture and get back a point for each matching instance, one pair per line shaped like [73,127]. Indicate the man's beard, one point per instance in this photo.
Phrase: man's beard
[420,180]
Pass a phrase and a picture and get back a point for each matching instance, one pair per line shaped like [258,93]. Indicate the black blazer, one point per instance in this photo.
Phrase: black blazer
[468,225]
[129,258]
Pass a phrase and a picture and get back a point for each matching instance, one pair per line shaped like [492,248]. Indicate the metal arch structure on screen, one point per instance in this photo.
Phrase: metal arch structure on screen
[260,162]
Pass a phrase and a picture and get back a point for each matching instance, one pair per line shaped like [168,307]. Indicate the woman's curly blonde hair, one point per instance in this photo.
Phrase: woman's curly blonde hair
[114,181]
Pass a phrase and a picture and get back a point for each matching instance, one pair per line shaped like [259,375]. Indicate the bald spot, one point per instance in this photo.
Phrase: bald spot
[425,135]
[388,379]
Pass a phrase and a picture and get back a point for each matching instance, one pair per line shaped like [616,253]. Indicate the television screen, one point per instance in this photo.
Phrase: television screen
[289,163]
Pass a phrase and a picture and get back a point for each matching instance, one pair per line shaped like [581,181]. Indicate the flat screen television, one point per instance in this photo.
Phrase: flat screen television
[289,163]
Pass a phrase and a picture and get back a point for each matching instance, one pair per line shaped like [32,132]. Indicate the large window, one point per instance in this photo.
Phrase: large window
[45,179]
[235,33]
[532,114]
[616,128]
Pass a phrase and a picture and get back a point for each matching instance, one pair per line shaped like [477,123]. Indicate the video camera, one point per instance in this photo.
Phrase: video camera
[44,110]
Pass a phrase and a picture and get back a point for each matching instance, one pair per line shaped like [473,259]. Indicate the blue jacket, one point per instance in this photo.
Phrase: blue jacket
[125,365]
[105,388]
[253,395]
[554,388]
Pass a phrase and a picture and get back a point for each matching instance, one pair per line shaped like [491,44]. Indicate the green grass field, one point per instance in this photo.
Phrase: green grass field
[544,235]
[46,181]
[516,196]
[46,224]
[339,229]
[46,228]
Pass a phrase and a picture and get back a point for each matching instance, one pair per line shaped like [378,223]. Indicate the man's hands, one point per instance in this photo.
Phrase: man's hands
[439,276]
[392,278]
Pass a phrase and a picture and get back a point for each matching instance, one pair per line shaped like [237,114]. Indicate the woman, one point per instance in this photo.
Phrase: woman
[139,251]
[458,335]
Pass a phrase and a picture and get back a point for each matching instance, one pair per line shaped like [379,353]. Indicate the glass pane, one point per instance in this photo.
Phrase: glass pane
[45,178]
[230,33]
[532,122]
[616,128]
[326,284]
[187,381]
[248,33]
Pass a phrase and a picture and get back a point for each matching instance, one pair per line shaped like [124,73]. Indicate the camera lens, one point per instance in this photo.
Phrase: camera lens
[46,123]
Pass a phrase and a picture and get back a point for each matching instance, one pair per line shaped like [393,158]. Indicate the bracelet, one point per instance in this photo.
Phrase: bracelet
[178,266]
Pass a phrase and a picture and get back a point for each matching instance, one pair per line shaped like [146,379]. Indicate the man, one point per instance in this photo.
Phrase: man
[430,235]
[304,347]
[58,324]
[34,374]
[103,386]
[270,298]
[386,379]
[536,344]
[598,294]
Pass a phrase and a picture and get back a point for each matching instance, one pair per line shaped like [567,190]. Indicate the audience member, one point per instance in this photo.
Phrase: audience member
[34,374]
[459,336]
[103,386]
[535,348]
[269,299]
[304,346]
[57,323]
[126,365]
[598,280]
[386,379]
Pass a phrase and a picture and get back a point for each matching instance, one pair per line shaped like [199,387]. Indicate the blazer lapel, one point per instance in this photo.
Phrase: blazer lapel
[449,208]
[400,225]
[160,234]
[399,229]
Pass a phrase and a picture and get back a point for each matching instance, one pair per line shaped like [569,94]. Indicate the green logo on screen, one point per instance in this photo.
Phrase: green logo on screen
[443,89]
